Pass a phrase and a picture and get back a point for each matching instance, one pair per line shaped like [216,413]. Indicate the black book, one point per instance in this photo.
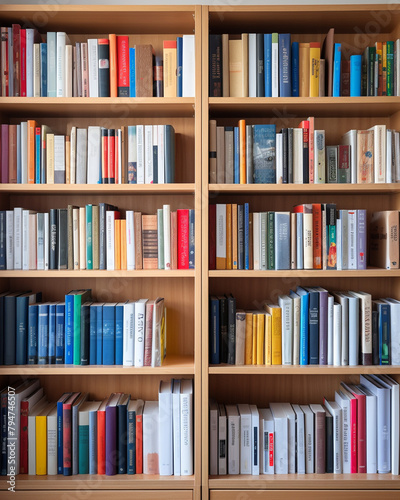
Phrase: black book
[223,328]
[285,165]
[104,67]
[62,238]
[85,333]
[313,326]
[215,70]
[260,65]
[329,441]
[375,338]
[231,329]
[158,86]
[10,309]
[53,239]
[122,440]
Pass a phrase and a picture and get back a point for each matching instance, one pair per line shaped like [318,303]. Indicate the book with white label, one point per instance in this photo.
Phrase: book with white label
[282,437]
[336,411]
[300,443]
[245,438]
[266,441]
[309,438]
[371,432]
[140,322]
[128,354]
[176,424]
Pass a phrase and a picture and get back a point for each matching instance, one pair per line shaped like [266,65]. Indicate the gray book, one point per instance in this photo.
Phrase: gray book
[81,155]
[220,155]
[282,240]
[345,239]
[249,154]
[228,155]
[62,238]
[332,164]
[40,242]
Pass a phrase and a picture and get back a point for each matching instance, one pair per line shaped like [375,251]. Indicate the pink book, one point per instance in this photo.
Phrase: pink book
[361,428]
[23,62]
[183,239]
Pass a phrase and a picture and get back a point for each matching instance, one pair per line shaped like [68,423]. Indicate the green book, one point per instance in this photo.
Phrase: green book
[80,297]
[390,68]
[271,240]
[89,237]
[160,232]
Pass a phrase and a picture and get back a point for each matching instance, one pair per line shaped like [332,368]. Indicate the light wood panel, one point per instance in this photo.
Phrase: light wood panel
[105,495]
[343,189]
[104,189]
[224,369]
[303,495]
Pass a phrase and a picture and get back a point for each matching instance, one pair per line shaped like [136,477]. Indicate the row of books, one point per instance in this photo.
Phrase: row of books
[81,331]
[257,154]
[118,435]
[272,65]
[313,236]
[95,237]
[357,431]
[309,326]
[134,154]
[49,65]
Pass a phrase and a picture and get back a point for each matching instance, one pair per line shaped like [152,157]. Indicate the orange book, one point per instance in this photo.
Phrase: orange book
[12,154]
[317,235]
[254,340]
[31,151]
[113,66]
[260,338]
[304,69]
[234,237]
[123,244]
[242,151]
[379,53]
[117,244]
[174,240]
[137,224]
[149,242]
[248,342]
[228,236]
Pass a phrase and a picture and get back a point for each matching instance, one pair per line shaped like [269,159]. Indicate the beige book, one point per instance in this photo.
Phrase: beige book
[67,160]
[365,156]
[245,64]
[213,151]
[321,82]
[50,159]
[235,68]
[228,236]
[36,70]
[95,237]
[169,69]
[75,238]
[137,222]
[68,71]
[240,337]
[384,239]
[308,240]
[225,65]
[70,230]
[254,341]
[248,345]
[379,132]
[82,237]
[304,69]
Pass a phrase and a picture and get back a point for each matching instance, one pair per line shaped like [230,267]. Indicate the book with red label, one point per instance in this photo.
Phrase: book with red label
[111,156]
[16,29]
[26,405]
[212,264]
[361,428]
[317,235]
[123,66]
[305,125]
[101,438]
[174,240]
[183,239]
[67,434]
[139,440]
[23,61]
[104,155]
[353,427]
[148,333]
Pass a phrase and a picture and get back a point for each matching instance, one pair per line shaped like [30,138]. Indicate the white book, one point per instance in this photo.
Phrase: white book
[72,156]
[52,442]
[25,240]
[344,404]
[59,159]
[81,156]
[155,148]
[39,241]
[296,327]
[220,232]
[9,239]
[150,438]
[176,423]
[60,63]
[129,334]
[343,300]
[161,153]
[352,239]
[308,261]
[281,426]
[336,411]
[275,67]
[38,408]
[252,64]
[29,62]
[330,329]
[46,241]
[140,144]
[94,155]
[370,413]
[140,323]
[18,238]
[186,403]
[388,156]
[266,441]
[75,231]
[222,441]
[130,241]
[245,438]
[291,416]
[256,241]
[279,161]
[93,67]
[337,334]
[82,238]
[188,66]
[350,139]
[233,438]
[286,304]
[213,440]
[110,239]
[354,328]
[166,459]
[255,443]
[300,440]
[24,152]
[148,154]
[394,330]
[298,155]
[379,153]
[68,71]
[167,236]
[339,246]
[309,438]
[119,138]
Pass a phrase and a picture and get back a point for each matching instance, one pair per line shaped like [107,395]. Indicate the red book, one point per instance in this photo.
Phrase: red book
[101,438]
[317,235]
[4,62]
[183,239]
[212,263]
[111,156]
[353,427]
[174,241]
[4,153]
[123,66]
[305,125]
[67,434]
[104,155]
[16,28]
[23,62]
[23,452]
[361,428]
[139,444]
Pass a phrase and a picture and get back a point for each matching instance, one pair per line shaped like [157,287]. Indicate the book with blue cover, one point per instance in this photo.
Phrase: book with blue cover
[52,333]
[119,333]
[93,335]
[60,332]
[313,324]
[355,75]
[260,87]
[214,331]
[109,334]
[43,69]
[99,333]
[22,325]
[43,334]
[32,334]
[337,60]
[264,154]
[285,63]
[295,70]
[69,329]
[304,324]
[132,73]
[268,65]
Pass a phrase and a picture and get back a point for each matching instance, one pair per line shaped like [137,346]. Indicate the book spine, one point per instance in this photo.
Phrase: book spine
[361,239]
[104,67]
[183,239]
[123,66]
[67,440]
[285,57]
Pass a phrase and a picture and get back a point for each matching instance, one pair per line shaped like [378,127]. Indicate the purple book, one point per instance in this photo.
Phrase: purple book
[4,153]
[323,325]
[361,239]
[111,435]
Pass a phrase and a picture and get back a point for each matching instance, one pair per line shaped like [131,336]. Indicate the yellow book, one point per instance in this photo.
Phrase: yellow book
[117,244]
[260,338]
[228,236]
[304,69]
[248,343]
[267,341]
[123,244]
[41,444]
[254,341]
[234,237]
[50,159]
[235,68]
[315,56]
[276,333]
[169,68]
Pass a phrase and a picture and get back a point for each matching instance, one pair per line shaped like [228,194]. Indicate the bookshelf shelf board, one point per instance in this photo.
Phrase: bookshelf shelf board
[300,370]
[292,107]
[98,107]
[309,273]
[179,365]
[103,189]
[143,273]
[349,189]
[306,481]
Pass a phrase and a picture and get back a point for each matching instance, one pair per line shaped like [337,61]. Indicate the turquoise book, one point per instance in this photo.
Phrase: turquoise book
[264,153]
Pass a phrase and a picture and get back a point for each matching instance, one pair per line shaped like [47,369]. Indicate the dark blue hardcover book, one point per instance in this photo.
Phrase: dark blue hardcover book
[93,335]
[60,332]
[22,326]
[3,431]
[285,62]
[33,316]
[69,329]
[169,174]
[355,75]
[236,149]
[53,239]
[304,323]
[131,431]
[60,456]
[99,334]
[10,306]
[295,70]
[191,238]
[337,61]
[383,331]
[2,295]
[43,334]
[37,158]
[179,64]
[132,72]
[214,331]
[2,240]
[260,65]
[109,334]
[85,333]
[52,334]
[313,321]
[264,153]
[246,237]
[241,236]
[122,440]
[268,65]
[43,69]
[119,333]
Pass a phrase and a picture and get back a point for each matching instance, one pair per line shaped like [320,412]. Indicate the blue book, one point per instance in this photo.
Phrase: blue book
[119,333]
[313,322]
[21,319]
[169,154]
[337,61]
[236,149]
[295,69]
[99,334]
[214,331]
[109,334]
[60,332]
[304,319]
[52,334]
[43,69]
[93,441]
[132,73]
[179,64]
[69,329]
[299,241]
[383,331]
[264,153]
[33,334]
[282,240]
[122,439]
[191,239]
[93,335]
[355,75]
[260,87]
[2,240]
[60,456]
[268,65]
[240,236]
[246,237]
[19,173]
[43,334]
[131,433]
[51,64]
[285,63]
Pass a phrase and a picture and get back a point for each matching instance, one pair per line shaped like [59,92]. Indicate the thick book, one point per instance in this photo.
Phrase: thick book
[144,70]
